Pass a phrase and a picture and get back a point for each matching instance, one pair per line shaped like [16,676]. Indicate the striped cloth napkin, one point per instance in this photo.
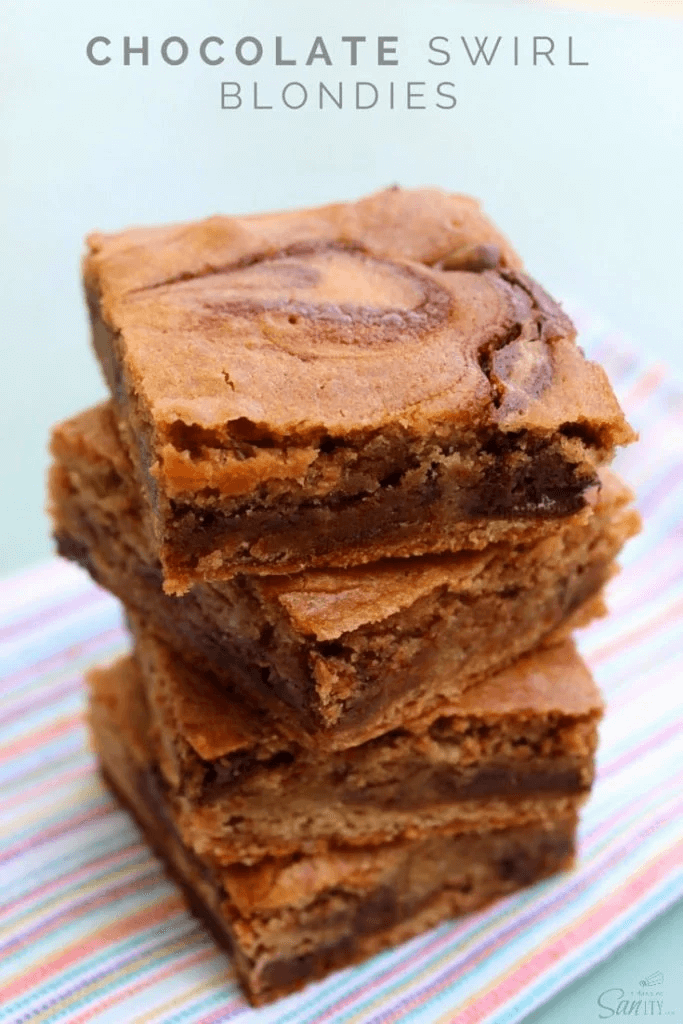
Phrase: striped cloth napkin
[92,930]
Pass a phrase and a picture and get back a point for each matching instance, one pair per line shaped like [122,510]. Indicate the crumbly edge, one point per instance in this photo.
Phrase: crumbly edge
[135,588]
[91,508]
[271,921]
[278,952]
[470,773]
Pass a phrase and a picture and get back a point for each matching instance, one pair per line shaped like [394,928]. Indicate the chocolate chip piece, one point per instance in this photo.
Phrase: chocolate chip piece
[378,911]
[471,257]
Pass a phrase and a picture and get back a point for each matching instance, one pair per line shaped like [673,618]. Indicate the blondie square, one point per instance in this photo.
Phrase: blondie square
[343,384]
[290,919]
[342,654]
[515,749]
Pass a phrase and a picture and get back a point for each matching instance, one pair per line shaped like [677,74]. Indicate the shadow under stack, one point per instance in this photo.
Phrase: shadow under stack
[351,489]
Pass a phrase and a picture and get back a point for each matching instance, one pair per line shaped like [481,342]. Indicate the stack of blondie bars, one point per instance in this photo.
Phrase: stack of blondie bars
[351,490]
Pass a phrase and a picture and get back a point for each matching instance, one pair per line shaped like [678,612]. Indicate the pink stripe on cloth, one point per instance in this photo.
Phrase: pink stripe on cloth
[145,918]
[55,883]
[42,698]
[574,936]
[637,752]
[65,656]
[187,962]
[91,598]
[39,737]
[71,824]
[536,914]
[658,622]
[85,903]
[81,771]
[641,390]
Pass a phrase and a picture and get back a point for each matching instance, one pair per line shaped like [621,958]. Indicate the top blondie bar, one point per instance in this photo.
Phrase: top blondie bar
[338,385]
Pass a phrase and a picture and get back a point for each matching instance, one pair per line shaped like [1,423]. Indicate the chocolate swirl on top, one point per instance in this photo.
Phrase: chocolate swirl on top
[320,304]
[404,311]
[327,337]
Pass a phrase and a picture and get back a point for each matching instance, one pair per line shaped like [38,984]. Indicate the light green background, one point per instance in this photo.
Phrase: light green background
[583,167]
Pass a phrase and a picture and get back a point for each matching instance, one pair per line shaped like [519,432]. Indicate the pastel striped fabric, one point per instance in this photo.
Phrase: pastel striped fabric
[92,930]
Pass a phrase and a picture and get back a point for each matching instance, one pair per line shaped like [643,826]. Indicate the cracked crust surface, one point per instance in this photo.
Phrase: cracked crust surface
[335,385]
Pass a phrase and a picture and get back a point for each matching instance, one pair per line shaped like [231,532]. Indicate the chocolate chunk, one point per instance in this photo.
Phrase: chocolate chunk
[474,258]
[380,910]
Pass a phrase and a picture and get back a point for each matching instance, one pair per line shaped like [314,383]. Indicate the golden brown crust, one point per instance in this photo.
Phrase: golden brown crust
[424,225]
[296,388]
[285,928]
[294,323]
[337,341]
[327,604]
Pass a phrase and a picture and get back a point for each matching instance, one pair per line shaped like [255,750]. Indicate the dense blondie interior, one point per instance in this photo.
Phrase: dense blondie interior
[348,653]
[517,748]
[287,920]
